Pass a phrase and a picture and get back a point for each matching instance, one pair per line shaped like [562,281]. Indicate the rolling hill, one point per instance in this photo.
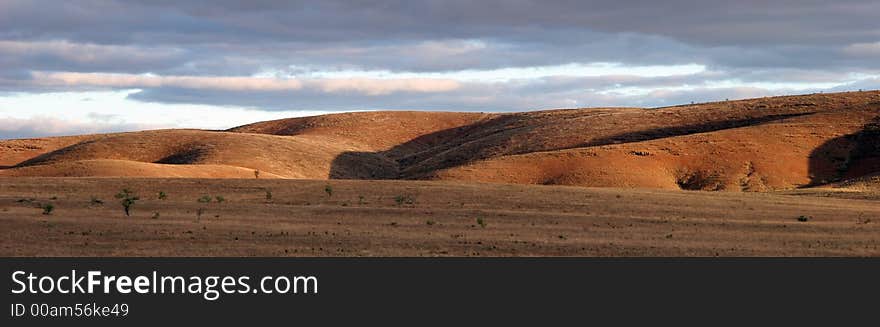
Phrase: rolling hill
[747,145]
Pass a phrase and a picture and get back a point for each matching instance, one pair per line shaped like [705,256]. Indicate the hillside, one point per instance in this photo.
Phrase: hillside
[749,145]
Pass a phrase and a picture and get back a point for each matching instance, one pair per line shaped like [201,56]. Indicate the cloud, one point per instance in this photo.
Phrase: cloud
[66,55]
[227,36]
[145,81]
[492,55]
[226,83]
[863,49]
[41,126]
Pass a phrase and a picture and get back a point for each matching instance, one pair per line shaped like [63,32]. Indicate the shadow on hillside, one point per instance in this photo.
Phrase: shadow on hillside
[47,157]
[846,157]
[410,159]
[397,162]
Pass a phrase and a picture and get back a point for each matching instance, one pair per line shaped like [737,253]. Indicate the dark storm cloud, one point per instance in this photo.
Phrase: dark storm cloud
[703,22]
[380,34]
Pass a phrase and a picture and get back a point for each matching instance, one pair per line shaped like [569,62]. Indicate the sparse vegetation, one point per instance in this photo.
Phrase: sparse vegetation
[220,199]
[162,195]
[48,208]
[268,195]
[862,220]
[329,190]
[361,200]
[128,199]
[404,199]
[481,222]
[155,215]
[430,223]
[205,199]
[96,201]
[803,219]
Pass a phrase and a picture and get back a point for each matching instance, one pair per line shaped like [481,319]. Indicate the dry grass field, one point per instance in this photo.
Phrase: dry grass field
[418,218]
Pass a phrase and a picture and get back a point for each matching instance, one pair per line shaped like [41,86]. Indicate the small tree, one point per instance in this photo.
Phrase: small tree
[128,199]
[329,190]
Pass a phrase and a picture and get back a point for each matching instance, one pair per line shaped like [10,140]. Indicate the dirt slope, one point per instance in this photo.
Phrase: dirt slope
[749,145]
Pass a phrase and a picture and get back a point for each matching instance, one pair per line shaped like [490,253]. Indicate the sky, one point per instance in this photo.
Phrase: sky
[74,67]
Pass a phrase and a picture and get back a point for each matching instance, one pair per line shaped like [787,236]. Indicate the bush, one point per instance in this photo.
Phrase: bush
[162,195]
[268,195]
[329,190]
[128,198]
[204,199]
[803,219]
[404,199]
[48,208]
[155,215]
[220,199]
[481,222]
[96,201]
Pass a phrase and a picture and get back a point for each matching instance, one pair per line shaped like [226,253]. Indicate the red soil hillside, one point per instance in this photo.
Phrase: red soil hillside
[749,145]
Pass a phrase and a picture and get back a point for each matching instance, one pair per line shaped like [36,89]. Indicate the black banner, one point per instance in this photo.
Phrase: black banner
[431,290]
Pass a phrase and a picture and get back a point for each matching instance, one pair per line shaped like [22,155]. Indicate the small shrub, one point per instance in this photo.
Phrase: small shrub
[204,199]
[361,200]
[220,199]
[48,208]
[268,195]
[404,199]
[329,190]
[430,223]
[128,199]
[96,201]
[155,215]
[162,195]
[803,219]
[481,222]
[257,174]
